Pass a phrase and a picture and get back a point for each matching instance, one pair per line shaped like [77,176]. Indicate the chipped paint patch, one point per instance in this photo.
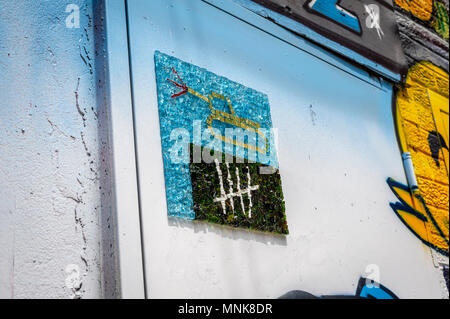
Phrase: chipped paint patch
[73,280]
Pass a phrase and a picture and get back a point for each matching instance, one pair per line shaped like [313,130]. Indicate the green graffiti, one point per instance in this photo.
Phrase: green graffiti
[441,20]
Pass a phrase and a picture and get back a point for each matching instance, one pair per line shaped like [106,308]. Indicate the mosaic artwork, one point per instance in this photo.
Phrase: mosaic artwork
[220,161]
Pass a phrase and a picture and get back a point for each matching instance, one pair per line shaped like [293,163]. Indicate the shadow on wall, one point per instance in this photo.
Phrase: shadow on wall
[367,289]
[228,231]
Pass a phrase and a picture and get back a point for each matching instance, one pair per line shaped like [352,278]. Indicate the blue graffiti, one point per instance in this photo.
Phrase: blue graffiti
[373,291]
[334,12]
[367,289]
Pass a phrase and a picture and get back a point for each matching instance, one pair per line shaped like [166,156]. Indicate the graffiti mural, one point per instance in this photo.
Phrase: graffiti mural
[220,162]
[422,121]
[431,13]
[367,27]
[367,289]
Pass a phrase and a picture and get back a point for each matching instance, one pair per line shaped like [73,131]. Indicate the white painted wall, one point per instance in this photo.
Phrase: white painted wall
[54,192]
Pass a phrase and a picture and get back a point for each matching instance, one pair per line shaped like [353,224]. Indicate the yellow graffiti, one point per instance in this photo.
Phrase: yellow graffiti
[422,115]
[223,117]
[419,218]
[232,119]
[422,9]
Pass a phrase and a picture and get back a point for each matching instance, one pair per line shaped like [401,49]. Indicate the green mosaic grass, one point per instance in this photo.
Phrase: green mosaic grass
[268,211]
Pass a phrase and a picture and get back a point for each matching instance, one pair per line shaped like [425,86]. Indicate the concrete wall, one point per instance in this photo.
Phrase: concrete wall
[54,190]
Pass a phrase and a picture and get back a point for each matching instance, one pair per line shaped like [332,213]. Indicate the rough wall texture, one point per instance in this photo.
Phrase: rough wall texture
[54,231]
[421,110]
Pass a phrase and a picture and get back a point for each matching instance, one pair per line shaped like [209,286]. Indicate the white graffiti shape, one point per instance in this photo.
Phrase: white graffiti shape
[224,197]
[373,20]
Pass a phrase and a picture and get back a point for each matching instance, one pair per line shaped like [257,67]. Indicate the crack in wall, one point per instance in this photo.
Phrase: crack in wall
[77,104]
